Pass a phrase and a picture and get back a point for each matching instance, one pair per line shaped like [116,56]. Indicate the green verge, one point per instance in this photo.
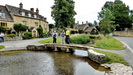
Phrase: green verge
[50,40]
[112,57]
[1,47]
[109,43]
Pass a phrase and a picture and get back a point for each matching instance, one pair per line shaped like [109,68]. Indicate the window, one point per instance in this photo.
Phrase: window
[35,16]
[29,15]
[23,14]
[2,15]
[24,22]
[36,24]
[3,24]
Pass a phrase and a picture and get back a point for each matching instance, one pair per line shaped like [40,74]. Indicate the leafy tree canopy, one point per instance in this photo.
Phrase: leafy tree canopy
[63,13]
[20,27]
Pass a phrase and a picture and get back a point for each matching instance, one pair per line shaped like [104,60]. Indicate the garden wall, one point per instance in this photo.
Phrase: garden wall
[12,38]
[123,33]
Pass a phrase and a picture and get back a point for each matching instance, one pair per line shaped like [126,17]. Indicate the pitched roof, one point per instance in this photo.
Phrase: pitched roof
[81,26]
[8,16]
[89,29]
[16,11]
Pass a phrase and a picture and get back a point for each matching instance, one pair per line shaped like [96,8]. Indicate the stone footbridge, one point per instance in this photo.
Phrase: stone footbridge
[97,57]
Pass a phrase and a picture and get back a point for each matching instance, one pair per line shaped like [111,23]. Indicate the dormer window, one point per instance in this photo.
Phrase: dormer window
[29,15]
[2,15]
[23,14]
[35,16]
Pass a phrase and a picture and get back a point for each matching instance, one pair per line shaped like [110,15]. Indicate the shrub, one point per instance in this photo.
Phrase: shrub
[40,31]
[80,39]
[10,35]
[80,31]
[95,36]
[94,32]
[27,35]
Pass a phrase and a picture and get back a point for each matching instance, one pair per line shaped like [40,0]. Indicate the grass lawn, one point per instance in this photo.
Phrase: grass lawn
[112,57]
[1,47]
[50,40]
[109,43]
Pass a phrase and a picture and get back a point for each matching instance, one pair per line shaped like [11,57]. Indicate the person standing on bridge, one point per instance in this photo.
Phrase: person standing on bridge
[54,35]
[63,37]
[67,39]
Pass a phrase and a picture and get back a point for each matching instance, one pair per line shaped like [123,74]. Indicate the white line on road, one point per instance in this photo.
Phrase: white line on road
[128,47]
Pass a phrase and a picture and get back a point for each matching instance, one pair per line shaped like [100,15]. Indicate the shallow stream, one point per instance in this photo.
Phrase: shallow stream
[48,63]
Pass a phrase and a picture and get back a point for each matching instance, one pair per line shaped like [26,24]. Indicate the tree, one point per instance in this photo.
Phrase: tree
[40,31]
[63,13]
[131,15]
[108,5]
[90,24]
[20,28]
[2,29]
[106,26]
[95,23]
[51,26]
[121,14]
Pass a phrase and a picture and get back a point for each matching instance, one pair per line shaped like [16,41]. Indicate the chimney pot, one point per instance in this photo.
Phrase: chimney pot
[32,9]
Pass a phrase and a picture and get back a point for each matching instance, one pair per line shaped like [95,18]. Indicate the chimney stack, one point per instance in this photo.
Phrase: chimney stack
[37,10]
[21,7]
[82,23]
[32,9]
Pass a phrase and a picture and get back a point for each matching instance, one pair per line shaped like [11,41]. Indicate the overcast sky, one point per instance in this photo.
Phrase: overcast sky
[86,9]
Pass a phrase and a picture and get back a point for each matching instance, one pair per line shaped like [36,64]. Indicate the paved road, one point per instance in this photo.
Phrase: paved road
[15,45]
[128,41]
[128,53]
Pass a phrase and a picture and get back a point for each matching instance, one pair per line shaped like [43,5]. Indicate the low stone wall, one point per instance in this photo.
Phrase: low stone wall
[123,33]
[12,39]
[97,57]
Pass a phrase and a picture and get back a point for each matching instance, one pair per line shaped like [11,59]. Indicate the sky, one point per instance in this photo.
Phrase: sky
[87,10]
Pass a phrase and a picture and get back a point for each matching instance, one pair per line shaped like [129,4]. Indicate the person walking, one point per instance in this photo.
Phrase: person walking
[63,37]
[1,37]
[54,35]
[67,39]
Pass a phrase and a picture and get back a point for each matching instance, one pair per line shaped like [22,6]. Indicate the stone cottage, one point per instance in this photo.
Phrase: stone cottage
[10,15]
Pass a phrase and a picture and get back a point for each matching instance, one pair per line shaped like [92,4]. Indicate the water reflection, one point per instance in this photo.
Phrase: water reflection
[47,63]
